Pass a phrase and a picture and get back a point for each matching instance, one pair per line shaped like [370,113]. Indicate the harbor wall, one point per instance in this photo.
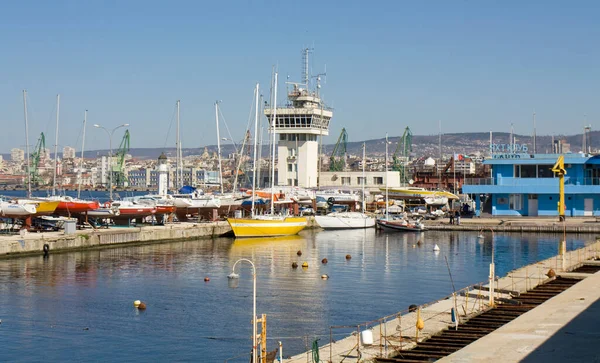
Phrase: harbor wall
[33,243]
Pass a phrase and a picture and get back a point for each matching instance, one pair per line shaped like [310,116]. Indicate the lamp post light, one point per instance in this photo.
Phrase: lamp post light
[233,275]
[110,134]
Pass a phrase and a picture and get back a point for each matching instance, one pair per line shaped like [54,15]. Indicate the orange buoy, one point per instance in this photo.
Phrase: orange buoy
[324,261]
[551,273]
[299,253]
[348,257]
[142,306]
[294,265]
[206,279]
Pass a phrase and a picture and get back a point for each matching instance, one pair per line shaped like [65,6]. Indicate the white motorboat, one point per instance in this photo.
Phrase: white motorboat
[345,220]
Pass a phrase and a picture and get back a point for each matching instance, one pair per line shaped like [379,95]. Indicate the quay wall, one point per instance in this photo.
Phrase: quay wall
[33,243]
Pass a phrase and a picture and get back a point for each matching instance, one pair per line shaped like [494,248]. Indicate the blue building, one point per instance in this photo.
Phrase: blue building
[524,185]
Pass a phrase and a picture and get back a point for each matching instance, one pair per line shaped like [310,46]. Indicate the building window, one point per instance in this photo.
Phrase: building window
[282,137]
[290,167]
[360,180]
[346,180]
[517,171]
[378,180]
[545,171]
[515,201]
[528,171]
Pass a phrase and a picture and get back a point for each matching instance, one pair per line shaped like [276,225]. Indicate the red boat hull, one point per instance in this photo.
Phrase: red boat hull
[165,209]
[76,207]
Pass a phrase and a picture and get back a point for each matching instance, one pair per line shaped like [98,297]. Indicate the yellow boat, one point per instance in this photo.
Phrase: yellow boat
[43,207]
[266,226]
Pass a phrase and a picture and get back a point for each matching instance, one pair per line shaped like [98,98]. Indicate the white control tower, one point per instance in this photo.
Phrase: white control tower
[299,126]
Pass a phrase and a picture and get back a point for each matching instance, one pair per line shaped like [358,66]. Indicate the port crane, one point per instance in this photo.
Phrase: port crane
[401,155]
[36,155]
[337,160]
[118,169]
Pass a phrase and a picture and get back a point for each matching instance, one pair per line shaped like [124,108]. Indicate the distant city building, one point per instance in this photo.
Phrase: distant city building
[68,152]
[17,155]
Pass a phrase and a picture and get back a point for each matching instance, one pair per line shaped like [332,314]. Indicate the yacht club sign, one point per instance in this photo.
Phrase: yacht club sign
[510,151]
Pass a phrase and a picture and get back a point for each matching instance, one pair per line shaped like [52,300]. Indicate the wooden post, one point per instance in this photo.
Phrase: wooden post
[263,339]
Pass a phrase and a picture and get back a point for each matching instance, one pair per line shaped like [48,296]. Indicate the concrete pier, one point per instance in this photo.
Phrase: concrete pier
[33,243]
[397,332]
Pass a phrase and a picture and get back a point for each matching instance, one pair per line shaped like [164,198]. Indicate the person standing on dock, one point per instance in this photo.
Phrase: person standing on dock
[451,217]
[457,217]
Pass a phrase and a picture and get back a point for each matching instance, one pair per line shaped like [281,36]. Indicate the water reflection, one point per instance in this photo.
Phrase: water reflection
[48,302]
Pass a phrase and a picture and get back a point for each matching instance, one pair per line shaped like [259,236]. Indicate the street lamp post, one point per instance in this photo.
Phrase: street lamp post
[110,134]
[233,275]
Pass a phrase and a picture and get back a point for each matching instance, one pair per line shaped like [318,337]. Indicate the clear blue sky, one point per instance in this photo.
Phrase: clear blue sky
[474,65]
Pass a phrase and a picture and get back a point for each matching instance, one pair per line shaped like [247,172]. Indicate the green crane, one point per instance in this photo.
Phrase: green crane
[403,150]
[337,160]
[118,169]
[35,156]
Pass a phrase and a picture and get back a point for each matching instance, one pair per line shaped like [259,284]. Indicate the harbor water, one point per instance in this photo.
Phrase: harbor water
[79,306]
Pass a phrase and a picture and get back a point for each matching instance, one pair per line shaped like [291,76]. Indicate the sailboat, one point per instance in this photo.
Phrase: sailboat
[265,225]
[400,224]
[348,220]
[67,205]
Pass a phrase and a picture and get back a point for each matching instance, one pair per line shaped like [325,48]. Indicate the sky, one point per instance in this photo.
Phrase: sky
[471,66]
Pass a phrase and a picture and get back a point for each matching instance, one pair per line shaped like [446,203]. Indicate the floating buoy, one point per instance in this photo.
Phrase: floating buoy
[137,303]
[206,279]
[412,308]
[325,276]
[480,236]
[419,242]
[324,261]
[436,248]
[551,273]
[294,265]
[305,264]
[142,306]
[348,257]
[299,253]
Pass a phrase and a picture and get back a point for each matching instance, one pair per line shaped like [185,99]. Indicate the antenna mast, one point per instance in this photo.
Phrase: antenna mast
[305,69]
[534,136]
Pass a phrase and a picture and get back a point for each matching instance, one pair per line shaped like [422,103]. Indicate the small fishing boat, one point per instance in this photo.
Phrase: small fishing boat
[401,225]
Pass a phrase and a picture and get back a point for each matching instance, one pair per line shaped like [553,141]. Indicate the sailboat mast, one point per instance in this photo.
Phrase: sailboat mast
[27,144]
[178,148]
[81,161]
[219,145]
[56,145]
[260,141]
[255,152]
[364,161]
[273,122]
[387,216]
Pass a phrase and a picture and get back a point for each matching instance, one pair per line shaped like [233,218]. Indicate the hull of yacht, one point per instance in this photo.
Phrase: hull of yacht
[104,213]
[266,227]
[349,220]
[68,205]
[42,207]
[14,210]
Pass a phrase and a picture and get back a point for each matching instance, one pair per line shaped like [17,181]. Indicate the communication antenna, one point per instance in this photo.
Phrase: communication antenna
[305,70]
